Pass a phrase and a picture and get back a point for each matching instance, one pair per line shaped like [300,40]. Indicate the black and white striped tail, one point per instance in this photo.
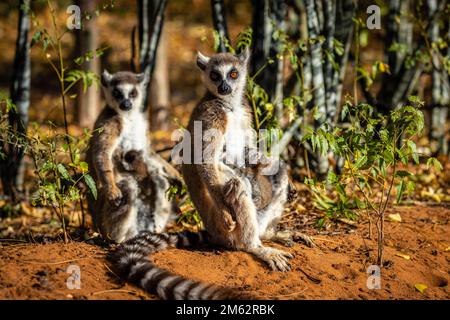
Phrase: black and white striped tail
[131,260]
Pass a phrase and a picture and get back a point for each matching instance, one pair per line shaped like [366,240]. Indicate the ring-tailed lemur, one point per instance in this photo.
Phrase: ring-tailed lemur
[128,201]
[238,205]
[213,190]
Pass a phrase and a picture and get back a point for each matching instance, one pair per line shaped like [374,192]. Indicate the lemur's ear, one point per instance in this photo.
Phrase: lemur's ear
[202,60]
[244,56]
[143,78]
[106,78]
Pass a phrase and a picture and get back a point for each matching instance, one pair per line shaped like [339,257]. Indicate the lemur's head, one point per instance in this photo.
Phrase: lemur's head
[124,91]
[224,74]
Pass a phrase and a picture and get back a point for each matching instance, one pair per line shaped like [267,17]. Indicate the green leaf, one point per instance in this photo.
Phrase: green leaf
[435,163]
[63,171]
[91,185]
[413,149]
[216,39]
[84,166]
[361,161]
[400,190]
[403,173]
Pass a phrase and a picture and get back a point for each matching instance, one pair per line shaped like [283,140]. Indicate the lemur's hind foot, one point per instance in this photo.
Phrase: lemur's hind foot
[277,260]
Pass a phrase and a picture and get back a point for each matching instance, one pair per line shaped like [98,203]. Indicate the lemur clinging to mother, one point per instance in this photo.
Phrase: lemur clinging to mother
[131,179]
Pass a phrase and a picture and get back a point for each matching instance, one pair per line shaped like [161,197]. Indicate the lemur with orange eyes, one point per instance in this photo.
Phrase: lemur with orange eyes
[240,204]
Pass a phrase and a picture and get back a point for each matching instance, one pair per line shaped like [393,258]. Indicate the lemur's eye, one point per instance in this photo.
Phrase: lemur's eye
[234,74]
[133,94]
[214,76]
[117,94]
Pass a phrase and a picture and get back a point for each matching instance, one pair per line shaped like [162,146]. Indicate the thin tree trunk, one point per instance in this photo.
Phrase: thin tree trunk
[262,33]
[151,20]
[344,11]
[329,29]
[316,59]
[268,15]
[12,167]
[396,84]
[317,78]
[88,103]
[220,23]
[160,89]
[275,83]
[439,99]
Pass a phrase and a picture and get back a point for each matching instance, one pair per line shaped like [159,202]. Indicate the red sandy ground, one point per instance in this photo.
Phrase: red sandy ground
[38,271]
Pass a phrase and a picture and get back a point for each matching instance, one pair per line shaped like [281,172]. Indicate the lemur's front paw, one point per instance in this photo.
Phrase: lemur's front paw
[114,196]
[230,223]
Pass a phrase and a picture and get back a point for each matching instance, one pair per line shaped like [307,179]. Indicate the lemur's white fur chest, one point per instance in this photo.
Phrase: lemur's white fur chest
[238,135]
[134,132]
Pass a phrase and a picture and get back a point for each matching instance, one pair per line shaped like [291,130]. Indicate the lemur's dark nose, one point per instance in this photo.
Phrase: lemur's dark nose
[224,88]
[126,105]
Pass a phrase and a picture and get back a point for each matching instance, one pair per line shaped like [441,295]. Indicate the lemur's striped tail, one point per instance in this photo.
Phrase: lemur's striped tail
[131,260]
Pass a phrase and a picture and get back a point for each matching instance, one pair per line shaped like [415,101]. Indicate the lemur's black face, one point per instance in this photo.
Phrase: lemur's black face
[224,74]
[123,90]
[224,81]
[125,96]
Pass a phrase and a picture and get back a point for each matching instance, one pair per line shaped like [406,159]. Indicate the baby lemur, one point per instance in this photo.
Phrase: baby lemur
[131,192]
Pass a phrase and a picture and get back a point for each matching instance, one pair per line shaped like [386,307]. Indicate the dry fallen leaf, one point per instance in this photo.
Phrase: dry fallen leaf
[395,217]
[404,256]
[447,249]
[420,287]
[431,195]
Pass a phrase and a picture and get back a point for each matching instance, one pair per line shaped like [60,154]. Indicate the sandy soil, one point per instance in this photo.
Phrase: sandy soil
[340,261]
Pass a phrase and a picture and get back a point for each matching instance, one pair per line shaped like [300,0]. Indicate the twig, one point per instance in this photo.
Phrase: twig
[311,278]
[13,240]
[56,263]
[109,269]
[119,291]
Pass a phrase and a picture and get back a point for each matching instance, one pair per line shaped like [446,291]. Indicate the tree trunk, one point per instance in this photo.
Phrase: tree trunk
[262,33]
[160,89]
[151,20]
[12,167]
[220,23]
[276,83]
[439,96]
[88,103]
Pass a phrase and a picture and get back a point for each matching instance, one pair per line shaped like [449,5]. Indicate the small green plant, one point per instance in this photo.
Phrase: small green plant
[189,215]
[376,150]
[61,174]
[60,178]
[60,181]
